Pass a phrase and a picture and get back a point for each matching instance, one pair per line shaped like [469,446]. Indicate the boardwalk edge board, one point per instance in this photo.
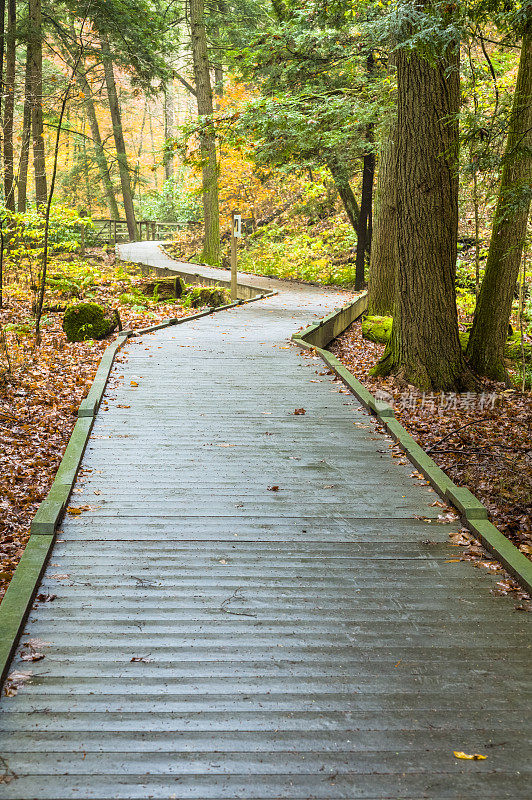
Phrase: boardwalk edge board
[18,599]
[475,515]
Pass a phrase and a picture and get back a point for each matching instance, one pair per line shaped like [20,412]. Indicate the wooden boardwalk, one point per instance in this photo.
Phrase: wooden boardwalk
[214,638]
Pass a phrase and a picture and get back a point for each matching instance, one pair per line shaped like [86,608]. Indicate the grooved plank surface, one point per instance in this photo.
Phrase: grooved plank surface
[212,638]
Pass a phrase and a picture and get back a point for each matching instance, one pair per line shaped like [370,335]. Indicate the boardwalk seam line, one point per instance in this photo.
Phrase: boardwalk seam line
[17,601]
[474,513]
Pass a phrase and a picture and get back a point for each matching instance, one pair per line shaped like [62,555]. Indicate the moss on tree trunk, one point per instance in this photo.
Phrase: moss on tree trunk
[424,348]
[487,341]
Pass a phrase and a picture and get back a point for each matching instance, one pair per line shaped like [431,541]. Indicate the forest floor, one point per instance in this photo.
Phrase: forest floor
[482,441]
[42,387]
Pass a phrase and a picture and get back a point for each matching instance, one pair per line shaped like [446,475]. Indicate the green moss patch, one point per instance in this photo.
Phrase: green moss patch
[84,321]
[377,329]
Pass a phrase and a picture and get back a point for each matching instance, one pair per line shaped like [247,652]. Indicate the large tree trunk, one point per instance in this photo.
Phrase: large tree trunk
[487,340]
[9,104]
[211,210]
[99,153]
[424,348]
[26,138]
[35,61]
[169,127]
[118,133]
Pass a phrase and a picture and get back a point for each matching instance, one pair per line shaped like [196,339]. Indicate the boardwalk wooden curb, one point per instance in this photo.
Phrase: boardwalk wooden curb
[19,597]
[22,589]
[475,515]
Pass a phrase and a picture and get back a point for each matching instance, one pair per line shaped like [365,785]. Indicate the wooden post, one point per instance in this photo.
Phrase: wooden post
[233,260]
[114,232]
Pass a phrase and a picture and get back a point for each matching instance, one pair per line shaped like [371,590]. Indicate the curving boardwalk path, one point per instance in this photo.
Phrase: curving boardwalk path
[213,638]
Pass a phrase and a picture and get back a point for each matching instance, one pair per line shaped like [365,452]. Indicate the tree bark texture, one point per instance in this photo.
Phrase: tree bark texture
[211,249]
[118,133]
[35,61]
[9,105]
[424,348]
[487,340]
[26,138]
[383,259]
[99,153]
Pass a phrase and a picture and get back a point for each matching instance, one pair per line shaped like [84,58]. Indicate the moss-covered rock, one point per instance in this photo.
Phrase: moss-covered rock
[212,296]
[83,321]
[377,329]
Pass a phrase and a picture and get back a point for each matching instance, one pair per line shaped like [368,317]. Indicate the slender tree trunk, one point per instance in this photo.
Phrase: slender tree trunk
[137,181]
[35,60]
[424,348]
[99,153]
[169,127]
[219,81]
[153,150]
[67,140]
[487,340]
[2,243]
[26,138]
[224,11]
[364,228]
[341,181]
[118,132]
[9,105]
[85,162]
[211,210]
[383,259]
[2,48]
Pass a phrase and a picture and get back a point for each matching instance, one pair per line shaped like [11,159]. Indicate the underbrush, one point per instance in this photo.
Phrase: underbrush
[319,254]
[312,241]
